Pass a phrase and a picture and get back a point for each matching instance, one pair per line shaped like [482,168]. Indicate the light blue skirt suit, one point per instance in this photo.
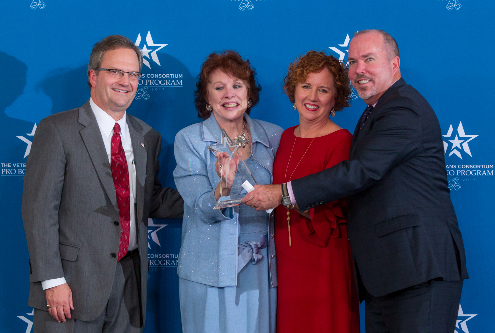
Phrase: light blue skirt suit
[214,297]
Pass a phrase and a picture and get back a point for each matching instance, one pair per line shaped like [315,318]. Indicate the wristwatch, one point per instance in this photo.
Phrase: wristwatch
[286,198]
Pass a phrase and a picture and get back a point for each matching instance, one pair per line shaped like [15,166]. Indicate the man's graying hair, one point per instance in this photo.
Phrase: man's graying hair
[389,41]
[109,43]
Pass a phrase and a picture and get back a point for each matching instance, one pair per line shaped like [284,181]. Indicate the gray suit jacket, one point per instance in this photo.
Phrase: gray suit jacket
[70,210]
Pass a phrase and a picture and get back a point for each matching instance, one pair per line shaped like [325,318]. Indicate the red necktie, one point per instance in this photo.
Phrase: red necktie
[120,174]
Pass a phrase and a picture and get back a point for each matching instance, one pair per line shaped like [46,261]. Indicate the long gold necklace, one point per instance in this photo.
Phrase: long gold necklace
[290,178]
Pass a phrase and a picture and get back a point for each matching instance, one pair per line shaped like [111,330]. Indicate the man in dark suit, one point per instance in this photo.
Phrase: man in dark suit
[407,247]
[90,185]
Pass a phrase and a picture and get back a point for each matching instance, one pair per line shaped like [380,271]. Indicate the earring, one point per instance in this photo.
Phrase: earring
[332,113]
[208,107]
[249,104]
[294,106]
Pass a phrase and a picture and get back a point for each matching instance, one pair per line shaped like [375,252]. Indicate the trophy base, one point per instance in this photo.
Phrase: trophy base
[225,202]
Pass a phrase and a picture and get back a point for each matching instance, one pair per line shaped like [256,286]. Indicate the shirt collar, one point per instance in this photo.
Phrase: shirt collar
[105,121]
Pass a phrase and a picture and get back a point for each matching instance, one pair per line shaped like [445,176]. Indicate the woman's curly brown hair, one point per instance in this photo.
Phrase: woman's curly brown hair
[231,63]
[314,62]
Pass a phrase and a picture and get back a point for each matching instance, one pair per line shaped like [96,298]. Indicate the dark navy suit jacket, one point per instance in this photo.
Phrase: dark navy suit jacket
[401,224]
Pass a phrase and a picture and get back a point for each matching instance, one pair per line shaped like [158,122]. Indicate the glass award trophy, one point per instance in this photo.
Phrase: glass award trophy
[234,190]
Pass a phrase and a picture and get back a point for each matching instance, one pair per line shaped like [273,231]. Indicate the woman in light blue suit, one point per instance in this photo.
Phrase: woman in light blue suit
[227,272]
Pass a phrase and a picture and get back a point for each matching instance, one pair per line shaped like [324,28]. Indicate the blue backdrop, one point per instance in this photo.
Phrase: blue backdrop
[444,45]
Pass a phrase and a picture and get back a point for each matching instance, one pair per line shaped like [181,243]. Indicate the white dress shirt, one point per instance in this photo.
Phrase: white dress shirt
[106,124]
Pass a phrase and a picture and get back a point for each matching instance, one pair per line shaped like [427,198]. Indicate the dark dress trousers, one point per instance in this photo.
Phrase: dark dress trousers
[401,224]
[70,210]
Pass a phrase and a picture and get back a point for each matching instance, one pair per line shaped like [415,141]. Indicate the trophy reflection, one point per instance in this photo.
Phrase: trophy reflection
[235,176]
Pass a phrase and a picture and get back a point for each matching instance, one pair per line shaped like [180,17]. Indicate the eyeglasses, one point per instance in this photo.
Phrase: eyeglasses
[118,73]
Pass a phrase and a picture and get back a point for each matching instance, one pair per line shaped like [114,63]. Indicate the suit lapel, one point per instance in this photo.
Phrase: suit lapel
[140,159]
[91,136]
[376,109]
[354,136]
[359,134]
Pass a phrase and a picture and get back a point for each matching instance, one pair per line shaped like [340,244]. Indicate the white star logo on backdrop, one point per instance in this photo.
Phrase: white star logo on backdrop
[454,184]
[153,234]
[27,141]
[27,321]
[342,54]
[459,142]
[339,52]
[245,4]
[149,47]
[453,4]
[37,4]
[145,52]
[462,318]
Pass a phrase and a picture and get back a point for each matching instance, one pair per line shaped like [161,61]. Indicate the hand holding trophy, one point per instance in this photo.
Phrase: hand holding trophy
[226,167]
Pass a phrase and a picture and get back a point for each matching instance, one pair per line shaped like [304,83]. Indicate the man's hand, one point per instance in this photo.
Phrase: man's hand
[264,197]
[59,302]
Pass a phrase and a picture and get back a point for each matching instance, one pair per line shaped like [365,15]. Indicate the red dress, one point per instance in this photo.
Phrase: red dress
[316,289]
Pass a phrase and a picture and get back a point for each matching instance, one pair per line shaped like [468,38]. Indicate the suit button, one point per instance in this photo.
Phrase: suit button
[113,255]
[116,222]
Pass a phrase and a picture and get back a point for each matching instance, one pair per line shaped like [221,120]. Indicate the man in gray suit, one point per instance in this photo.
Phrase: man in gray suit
[90,185]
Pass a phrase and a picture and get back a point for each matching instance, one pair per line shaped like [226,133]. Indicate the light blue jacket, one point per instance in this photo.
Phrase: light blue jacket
[208,252]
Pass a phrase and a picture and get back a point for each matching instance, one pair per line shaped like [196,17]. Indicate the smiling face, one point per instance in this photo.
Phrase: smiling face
[315,97]
[372,67]
[227,95]
[112,93]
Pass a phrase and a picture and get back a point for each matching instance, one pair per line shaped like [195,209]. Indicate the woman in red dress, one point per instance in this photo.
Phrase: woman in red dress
[316,289]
